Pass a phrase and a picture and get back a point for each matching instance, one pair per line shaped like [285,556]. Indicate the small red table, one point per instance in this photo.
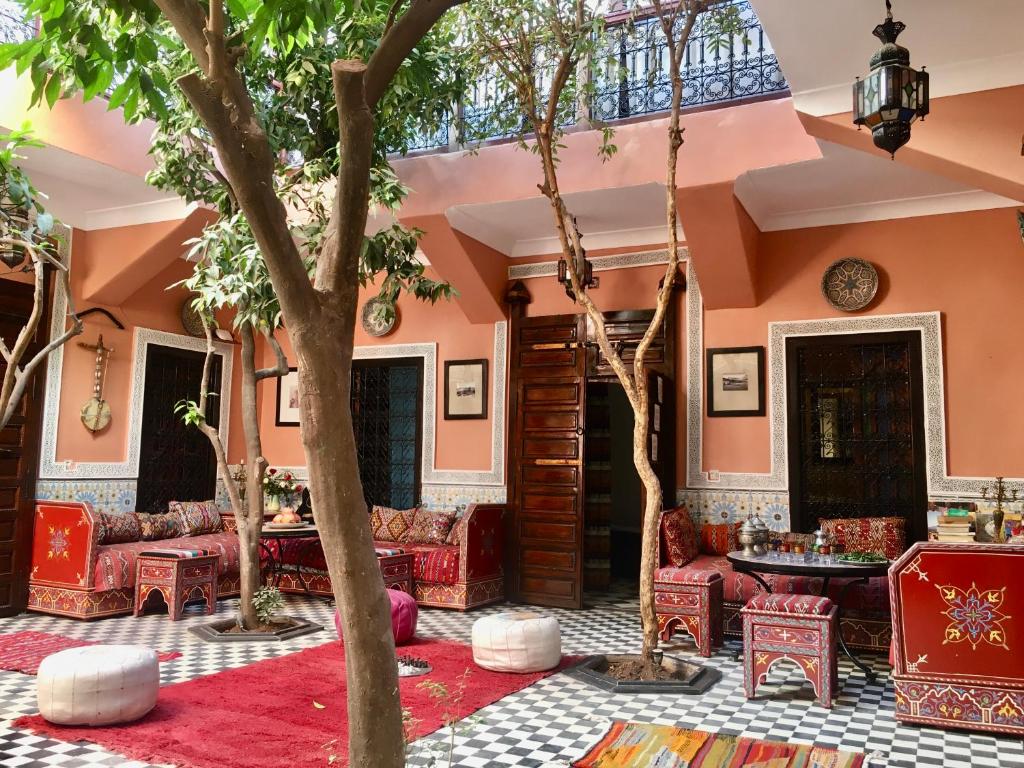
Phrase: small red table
[180,576]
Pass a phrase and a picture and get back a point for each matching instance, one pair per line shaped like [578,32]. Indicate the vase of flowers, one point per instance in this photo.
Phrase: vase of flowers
[278,486]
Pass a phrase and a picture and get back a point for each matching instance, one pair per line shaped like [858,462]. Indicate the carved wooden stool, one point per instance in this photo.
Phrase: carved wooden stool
[801,628]
[180,576]
[690,599]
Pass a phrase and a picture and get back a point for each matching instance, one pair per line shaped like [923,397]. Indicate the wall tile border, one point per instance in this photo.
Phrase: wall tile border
[601,263]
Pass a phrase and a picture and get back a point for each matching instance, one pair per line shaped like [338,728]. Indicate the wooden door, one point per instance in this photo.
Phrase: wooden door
[19,456]
[546,459]
[176,461]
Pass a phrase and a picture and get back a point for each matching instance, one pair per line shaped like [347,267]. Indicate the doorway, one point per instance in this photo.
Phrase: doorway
[19,453]
[176,461]
[613,506]
[855,406]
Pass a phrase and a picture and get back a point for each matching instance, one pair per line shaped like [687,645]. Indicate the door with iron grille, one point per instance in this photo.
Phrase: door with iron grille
[387,417]
[856,429]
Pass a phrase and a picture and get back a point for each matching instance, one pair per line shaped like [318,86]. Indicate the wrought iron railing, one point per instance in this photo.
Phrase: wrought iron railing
[632,79]
[13,26]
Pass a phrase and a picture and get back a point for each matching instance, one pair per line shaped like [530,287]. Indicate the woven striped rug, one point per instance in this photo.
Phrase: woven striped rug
[24,651]
[640,745]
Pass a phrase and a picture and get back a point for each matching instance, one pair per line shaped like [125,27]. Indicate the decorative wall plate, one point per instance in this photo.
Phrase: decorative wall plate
[192,321]
[373,325]
[849,284]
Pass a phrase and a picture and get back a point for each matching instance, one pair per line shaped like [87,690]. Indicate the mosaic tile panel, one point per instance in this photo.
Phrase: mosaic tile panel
[716,507]
[110,496]
[453,496]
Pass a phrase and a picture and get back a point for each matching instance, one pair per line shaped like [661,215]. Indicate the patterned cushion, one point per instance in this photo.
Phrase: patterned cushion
[805,604]
[119,529]
[885,536]
[679,537]
[430,527]
[390,524]
[686,575]
[457,532]
[115,563]
[435,564]
[197,517]
[156,527]
[720,539]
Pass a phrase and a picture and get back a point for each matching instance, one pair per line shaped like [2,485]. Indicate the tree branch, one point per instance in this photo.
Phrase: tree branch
[280,367]
[399,41]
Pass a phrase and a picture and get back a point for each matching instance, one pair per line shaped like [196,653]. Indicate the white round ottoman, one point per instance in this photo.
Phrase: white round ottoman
[98,684]
[517,642]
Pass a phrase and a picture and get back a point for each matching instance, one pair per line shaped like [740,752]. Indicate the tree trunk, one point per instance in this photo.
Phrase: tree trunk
[249,518]
[653,500]
[324,354]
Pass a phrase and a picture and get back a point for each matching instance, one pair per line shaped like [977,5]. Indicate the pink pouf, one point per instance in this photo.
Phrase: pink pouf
[404,613]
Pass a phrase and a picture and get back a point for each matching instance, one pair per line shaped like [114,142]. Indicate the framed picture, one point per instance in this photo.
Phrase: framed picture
[735,381]
[465,389]
[288,399]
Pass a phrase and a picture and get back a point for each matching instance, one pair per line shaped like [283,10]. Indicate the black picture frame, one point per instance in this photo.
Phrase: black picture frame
[714,409]
[285,421]
[480,413]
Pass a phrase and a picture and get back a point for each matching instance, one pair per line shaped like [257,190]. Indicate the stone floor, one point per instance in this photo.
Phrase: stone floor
[549,723]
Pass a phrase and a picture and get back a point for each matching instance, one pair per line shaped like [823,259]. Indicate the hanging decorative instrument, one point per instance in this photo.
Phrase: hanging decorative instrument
[96,412]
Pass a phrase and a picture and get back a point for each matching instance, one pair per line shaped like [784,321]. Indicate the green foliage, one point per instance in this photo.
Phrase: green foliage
[267,601]
[190,411]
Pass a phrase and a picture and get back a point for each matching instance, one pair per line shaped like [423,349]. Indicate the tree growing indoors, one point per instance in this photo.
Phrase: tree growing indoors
[286,92]
[27,245]
[546,55]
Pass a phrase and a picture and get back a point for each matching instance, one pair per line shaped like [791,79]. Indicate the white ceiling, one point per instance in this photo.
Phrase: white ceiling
[608,218]
[823,45]
[846,186]
[90,195]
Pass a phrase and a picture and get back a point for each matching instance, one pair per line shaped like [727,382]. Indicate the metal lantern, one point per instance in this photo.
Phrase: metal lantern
[894,94]
[584,269]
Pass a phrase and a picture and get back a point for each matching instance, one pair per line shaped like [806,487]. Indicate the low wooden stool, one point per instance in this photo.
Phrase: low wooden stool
[395,568]
[801,628]
[180,576]
[690,599]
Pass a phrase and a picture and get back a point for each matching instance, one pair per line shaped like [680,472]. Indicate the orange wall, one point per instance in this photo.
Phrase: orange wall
[969,266]
[459,444]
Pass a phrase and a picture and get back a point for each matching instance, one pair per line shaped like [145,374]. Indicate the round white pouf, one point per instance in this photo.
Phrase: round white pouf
[98,684]
[517,642]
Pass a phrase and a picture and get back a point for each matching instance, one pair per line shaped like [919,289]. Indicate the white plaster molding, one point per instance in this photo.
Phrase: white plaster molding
[946,80]
[940,483]
[51,469]
[622,238]
[927,205]
[170,209]
[601,263]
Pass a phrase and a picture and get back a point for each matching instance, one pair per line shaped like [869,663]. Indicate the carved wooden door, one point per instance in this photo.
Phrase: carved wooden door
[546,459]
[176,462]
[19,456]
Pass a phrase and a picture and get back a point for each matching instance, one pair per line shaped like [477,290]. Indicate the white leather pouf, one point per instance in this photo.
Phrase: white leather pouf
[98,684]
[517,642]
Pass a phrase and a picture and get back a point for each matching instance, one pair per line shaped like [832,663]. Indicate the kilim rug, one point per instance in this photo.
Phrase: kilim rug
[24,651]
[640,745]
[288,712]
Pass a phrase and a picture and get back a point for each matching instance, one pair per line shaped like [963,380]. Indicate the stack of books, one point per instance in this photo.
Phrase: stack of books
[955,528]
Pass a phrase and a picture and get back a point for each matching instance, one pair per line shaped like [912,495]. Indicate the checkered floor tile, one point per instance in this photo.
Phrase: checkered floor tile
[547,724]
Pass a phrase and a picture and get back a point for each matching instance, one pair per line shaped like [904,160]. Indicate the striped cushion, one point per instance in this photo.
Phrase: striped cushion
[685,575]
[803,604]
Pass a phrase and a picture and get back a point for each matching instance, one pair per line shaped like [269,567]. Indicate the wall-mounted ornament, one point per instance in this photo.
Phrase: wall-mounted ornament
[376,321]
[96,412]
[849,284]
[192,320]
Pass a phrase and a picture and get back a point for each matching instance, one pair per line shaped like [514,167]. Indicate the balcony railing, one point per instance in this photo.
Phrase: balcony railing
[13,27]
[632,80]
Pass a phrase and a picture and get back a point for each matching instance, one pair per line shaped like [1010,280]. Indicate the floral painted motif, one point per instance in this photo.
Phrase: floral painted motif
[974,615]
[60,543]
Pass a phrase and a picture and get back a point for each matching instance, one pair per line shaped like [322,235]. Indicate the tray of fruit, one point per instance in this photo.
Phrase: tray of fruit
[284,521]
[861,558]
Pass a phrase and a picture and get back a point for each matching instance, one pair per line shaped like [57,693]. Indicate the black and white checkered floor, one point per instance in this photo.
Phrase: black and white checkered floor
[547,724]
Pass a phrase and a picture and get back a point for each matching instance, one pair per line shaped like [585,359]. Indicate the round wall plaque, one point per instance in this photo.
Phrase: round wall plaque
[849,284]
[191,320]
[373,323]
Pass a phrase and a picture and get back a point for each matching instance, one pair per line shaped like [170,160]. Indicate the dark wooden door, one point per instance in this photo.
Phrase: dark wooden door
[176,462]
[546,459]
[856,429]
[19,455]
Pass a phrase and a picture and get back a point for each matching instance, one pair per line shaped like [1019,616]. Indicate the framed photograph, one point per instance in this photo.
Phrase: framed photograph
[465,389]
[288,399]
[735,381]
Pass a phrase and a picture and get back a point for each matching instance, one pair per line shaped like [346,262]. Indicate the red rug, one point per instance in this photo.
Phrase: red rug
[23,651]
[288,712]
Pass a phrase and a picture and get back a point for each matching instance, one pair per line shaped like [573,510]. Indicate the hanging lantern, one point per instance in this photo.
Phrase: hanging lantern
[584,270]
[894,94]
